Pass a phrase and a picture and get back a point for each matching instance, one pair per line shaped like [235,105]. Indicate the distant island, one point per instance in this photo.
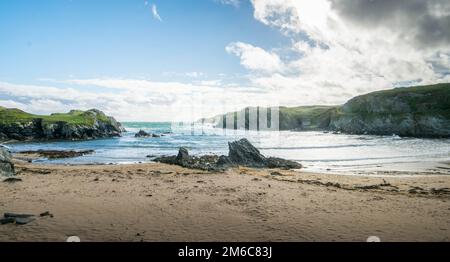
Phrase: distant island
[420,111]
[16,124]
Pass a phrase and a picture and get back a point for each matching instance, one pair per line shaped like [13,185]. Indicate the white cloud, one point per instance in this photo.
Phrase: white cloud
[12,104]
[255,58]
[155,13]
[337,58]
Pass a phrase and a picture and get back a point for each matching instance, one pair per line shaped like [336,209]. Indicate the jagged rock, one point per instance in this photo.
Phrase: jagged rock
[243,153]
[183,156]
[6,164]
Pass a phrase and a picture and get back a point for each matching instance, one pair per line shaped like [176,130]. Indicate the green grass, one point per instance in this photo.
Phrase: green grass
[306,117]
[431,99]
[76,117]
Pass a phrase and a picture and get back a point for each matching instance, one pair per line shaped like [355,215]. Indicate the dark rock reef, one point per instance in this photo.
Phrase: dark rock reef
[6,164]
[241,153]
[142,133]
[75,125]
[57,154]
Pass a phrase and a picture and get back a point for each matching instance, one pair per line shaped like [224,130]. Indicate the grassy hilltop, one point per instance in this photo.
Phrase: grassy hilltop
[14,115]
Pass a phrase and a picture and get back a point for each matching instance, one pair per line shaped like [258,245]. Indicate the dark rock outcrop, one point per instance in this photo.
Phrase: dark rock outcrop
[183,155]
[56,154]
[242,153]
[6,164]
[142,133]
[75,125]
[207,162]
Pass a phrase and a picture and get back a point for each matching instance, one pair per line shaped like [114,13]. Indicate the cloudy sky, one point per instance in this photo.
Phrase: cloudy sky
[167,60]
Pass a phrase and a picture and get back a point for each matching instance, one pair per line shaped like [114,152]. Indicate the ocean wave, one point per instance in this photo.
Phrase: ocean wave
[413,158]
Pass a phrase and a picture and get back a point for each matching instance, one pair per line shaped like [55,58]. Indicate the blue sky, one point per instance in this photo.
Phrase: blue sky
[163,60]
[61,39]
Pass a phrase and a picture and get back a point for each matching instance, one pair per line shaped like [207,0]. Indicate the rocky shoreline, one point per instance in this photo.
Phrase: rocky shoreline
[17,125]
[419,111]
[57,154]
[241,153]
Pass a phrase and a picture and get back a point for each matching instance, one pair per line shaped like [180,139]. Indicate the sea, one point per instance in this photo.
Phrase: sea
[316,151]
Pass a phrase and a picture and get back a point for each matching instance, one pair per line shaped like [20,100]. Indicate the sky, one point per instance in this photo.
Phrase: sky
[170,60]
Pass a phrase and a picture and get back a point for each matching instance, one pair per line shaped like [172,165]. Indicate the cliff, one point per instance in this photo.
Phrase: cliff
[421,111]
[16,124]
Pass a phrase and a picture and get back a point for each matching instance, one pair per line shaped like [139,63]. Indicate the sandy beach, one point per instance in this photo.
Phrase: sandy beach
[158,202]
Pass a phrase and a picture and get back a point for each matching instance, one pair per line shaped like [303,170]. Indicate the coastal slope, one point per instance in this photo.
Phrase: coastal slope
[420,111]
[16,124]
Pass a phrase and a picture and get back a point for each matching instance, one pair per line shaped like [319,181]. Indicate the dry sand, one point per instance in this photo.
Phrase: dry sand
[157,202]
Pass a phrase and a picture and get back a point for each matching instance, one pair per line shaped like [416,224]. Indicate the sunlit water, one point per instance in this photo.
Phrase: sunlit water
[317,151]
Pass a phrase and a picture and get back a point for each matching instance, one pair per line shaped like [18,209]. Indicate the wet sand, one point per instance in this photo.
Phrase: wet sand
[157,202]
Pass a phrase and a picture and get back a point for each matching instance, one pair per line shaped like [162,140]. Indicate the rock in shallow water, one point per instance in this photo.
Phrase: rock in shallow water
[142,133]
[56,154]
[242,153]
